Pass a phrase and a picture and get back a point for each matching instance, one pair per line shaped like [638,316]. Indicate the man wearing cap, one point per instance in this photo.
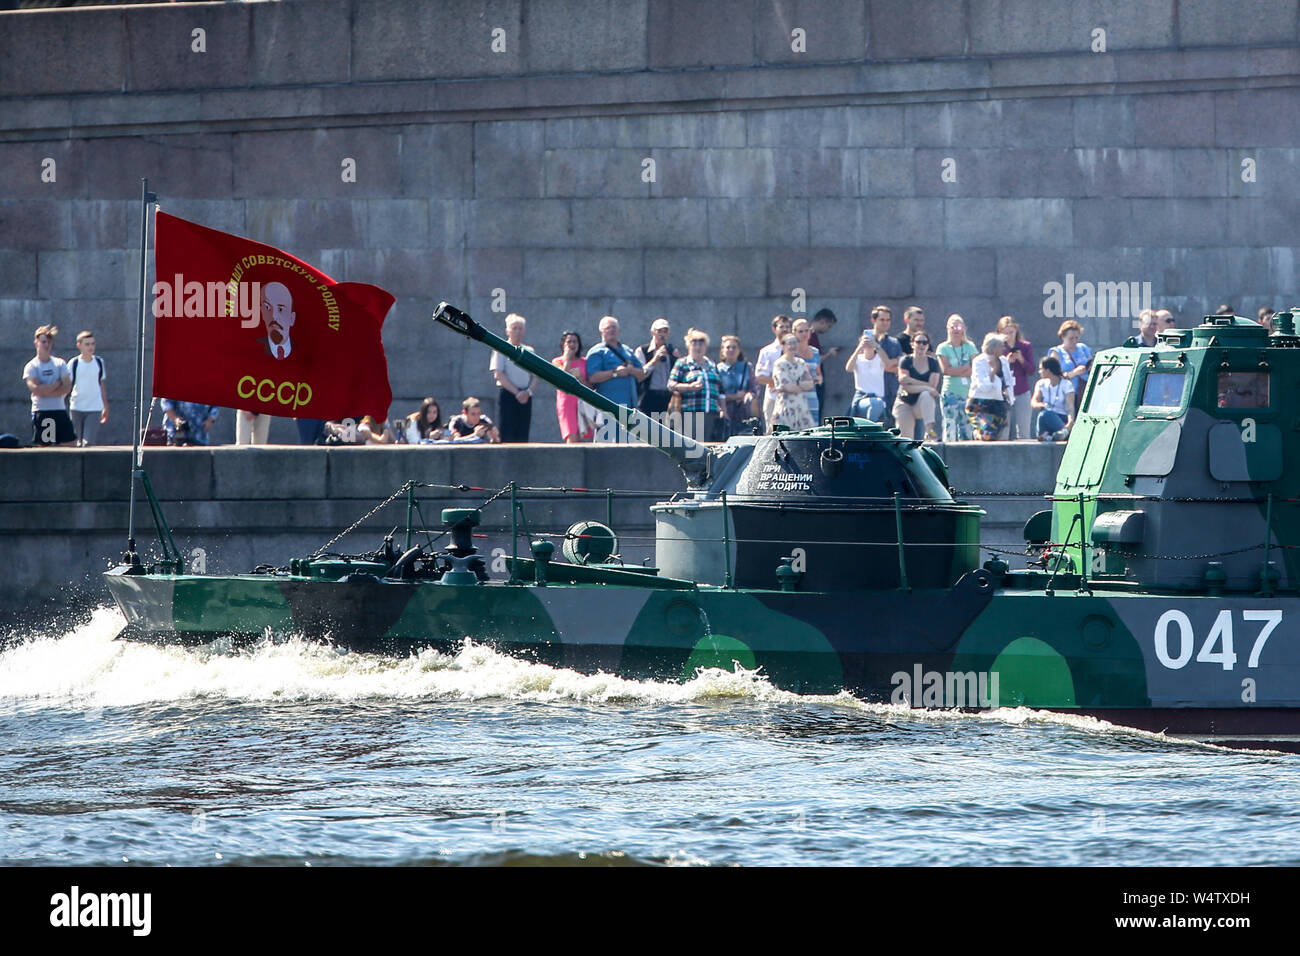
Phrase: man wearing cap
[657,358]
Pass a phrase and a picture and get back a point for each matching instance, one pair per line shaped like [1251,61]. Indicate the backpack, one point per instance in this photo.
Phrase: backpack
[99,368]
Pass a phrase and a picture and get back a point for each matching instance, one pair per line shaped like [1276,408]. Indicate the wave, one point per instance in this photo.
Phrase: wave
[87,667]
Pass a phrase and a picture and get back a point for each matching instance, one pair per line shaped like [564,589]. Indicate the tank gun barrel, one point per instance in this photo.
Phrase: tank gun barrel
[691,456]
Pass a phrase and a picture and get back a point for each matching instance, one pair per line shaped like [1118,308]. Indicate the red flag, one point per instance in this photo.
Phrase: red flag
[243,325]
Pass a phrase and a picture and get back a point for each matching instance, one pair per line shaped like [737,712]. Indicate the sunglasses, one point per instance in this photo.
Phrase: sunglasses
[921,341]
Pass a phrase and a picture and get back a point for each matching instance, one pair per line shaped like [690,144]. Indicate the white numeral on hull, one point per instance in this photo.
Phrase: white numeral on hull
[1218,646]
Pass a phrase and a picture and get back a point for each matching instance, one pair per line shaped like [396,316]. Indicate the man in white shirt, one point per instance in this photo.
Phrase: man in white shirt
[515,398]
[767,356]
[89,401]
[49,380]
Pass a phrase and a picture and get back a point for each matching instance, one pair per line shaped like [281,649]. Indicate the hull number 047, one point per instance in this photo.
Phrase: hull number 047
[1175,640]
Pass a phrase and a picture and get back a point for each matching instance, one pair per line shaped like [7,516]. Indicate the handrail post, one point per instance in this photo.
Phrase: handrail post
[410,509]
[131,556]
[1065,544]
[1083,547]
[171,553]
[514,535]
[1267,582]
[726,542]
[902,559]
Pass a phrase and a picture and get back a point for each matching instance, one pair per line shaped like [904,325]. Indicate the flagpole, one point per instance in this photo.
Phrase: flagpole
[137,452]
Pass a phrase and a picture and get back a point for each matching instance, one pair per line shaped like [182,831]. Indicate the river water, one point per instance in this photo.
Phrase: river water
[296,754]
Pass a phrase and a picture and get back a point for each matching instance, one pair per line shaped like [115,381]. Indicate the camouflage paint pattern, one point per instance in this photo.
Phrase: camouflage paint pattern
[1106,655]
[1176,475]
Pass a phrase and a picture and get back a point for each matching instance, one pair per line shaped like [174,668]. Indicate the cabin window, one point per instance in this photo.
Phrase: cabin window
[1163,390]
[1243,389]
[1109,386]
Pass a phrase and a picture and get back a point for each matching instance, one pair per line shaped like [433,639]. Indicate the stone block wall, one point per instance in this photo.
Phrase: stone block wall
[957,154]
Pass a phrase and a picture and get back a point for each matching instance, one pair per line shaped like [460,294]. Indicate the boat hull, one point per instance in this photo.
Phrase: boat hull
[1221,668]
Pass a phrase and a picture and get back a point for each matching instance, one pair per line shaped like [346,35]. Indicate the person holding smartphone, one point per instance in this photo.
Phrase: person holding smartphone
[868,370]
[1020,357]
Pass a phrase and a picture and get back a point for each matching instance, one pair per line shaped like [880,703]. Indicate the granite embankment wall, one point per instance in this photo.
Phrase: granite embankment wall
[955,153]
[63,516]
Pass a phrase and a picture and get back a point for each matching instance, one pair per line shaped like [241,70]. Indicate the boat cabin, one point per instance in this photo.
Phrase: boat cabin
[1175,474]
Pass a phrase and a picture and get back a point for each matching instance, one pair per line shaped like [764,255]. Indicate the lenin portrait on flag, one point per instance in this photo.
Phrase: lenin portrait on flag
[293,322]
[277,318]
[297,324]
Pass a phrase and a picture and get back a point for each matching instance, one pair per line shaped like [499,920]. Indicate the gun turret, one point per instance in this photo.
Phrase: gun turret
[694,459]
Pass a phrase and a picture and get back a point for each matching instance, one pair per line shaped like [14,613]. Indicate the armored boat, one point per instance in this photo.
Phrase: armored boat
[1158,590]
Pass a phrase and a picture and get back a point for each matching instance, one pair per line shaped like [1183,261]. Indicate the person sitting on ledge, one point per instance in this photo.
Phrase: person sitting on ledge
[341,432]
[1054,398]
[426,424]
[471,425]
[188,423]
[372,432]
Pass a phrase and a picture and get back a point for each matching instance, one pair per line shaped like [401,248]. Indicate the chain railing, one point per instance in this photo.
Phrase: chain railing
[522,494]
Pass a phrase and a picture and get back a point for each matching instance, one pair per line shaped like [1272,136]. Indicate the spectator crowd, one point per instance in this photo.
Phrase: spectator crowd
[955,386]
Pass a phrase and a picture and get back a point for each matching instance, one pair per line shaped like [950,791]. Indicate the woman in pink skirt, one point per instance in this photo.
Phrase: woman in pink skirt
[574,426]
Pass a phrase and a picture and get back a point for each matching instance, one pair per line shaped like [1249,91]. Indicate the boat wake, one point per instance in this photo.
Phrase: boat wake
[87,667]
